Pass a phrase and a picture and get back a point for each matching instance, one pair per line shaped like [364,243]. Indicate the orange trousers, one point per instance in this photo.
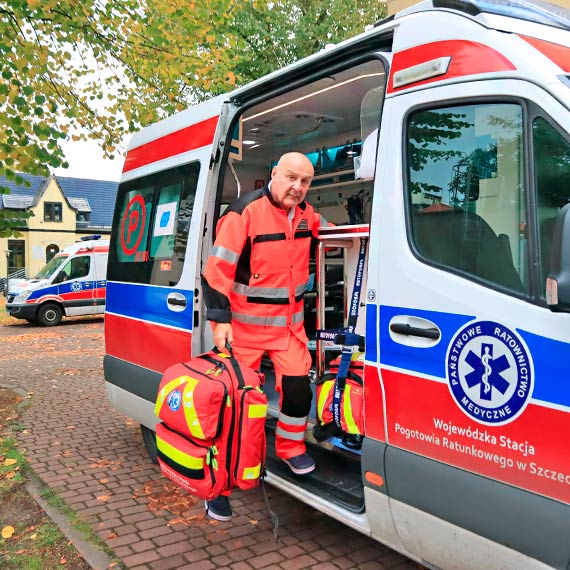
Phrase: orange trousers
[292,367]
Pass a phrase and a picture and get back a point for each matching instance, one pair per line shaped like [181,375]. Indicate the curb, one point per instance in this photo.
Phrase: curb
[94,556]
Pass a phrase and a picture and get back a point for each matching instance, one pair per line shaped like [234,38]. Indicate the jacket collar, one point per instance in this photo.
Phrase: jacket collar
[266,192]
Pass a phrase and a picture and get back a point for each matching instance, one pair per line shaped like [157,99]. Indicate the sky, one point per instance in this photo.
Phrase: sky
[86,161]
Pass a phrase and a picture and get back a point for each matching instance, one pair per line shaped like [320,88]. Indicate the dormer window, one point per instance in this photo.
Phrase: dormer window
[52,212]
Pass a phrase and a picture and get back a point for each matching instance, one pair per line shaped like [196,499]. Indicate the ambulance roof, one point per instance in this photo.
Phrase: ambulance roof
[504,15]
[84,246]
[529,10]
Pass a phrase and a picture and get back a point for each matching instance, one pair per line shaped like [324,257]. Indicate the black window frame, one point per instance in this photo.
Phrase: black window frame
[50,211]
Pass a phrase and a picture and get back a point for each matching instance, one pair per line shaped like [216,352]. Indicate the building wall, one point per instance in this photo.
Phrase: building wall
[42,233]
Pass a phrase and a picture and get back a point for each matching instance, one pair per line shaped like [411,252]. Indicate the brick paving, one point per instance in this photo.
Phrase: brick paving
[95,460]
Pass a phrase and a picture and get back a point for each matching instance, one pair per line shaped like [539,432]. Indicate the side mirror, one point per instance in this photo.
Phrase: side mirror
[558,280]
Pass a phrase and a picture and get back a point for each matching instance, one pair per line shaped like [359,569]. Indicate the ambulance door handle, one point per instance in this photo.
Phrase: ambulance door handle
[401,328]
[176,302]
[411,330]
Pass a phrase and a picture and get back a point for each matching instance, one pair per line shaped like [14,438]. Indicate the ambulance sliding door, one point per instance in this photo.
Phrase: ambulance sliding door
[150,283]
[473,363]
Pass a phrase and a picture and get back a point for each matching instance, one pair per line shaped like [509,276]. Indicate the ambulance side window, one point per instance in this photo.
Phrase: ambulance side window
[76,268]
[150,227]
[465,191]
[552,181]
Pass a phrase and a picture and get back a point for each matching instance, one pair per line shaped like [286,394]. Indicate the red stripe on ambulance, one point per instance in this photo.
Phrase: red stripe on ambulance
[560,55]
[467,58]
[146,344]
[186,139]
[373,404]
[423,418]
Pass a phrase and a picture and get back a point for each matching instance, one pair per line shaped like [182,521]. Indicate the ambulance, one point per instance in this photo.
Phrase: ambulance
[442,136]
[72,283]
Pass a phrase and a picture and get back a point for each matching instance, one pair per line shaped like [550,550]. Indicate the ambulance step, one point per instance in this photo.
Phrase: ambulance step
[337,477]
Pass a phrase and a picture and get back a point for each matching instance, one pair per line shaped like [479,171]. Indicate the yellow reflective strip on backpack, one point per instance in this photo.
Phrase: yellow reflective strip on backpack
[190,414]
[351,426]
[180,457]
[323,395]
[251,472]
[165,390]
[257,411]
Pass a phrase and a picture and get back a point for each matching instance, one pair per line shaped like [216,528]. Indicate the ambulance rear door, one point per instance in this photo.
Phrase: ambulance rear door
[473,363]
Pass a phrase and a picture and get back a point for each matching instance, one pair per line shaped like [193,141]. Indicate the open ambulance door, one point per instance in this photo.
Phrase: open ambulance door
[472,362]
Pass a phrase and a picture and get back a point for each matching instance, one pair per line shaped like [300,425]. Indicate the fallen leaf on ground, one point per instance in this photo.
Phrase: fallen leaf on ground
[9,462]
[7,532]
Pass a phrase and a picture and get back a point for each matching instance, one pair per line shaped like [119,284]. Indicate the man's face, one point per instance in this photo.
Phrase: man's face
[291,179]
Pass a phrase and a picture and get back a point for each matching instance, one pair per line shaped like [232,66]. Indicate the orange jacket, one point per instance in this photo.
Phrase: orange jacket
[258,270]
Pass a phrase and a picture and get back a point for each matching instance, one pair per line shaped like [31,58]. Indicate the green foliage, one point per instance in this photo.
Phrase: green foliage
[74,69]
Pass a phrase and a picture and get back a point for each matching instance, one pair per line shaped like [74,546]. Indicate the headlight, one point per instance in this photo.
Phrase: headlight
[21,297]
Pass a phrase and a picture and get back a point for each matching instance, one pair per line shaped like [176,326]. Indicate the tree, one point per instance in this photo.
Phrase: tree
[99,69]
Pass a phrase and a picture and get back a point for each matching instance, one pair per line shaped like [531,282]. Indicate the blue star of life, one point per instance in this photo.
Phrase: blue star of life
[174,400]
[489,372]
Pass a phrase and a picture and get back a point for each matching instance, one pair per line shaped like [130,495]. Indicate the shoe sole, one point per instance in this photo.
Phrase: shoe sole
[304,471]
[216,516]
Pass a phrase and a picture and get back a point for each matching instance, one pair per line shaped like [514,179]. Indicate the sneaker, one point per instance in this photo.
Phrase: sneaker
[219,508]
[301,464]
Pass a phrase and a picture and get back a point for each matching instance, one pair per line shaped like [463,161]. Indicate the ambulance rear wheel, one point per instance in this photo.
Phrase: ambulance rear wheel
[149,438]
[49,315]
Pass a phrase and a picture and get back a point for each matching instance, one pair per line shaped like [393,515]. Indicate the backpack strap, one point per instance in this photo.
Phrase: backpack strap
[350,338]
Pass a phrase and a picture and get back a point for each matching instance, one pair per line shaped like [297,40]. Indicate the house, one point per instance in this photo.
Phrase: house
[64,210]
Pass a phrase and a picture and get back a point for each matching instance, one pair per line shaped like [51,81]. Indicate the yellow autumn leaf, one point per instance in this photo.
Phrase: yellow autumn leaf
[9,462]
[7,532]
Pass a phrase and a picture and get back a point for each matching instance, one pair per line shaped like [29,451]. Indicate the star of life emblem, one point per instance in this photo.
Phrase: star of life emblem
[490,373]
[174,400]
[76,286]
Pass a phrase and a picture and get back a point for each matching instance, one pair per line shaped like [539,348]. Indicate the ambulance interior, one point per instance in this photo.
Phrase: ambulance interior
[334,121]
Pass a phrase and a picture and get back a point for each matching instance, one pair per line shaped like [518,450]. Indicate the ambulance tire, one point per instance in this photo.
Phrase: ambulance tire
[149,438]
[49,315]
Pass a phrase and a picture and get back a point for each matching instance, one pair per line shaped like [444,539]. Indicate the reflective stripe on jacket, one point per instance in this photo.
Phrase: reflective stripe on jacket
[258,270]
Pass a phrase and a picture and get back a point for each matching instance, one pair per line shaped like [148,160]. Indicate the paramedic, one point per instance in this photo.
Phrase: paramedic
[253,283]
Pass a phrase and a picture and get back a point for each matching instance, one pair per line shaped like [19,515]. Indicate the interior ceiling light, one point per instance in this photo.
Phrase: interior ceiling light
[249,142]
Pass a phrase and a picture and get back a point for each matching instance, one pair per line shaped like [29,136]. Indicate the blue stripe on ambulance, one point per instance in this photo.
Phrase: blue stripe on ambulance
[149,303]
[550,357]
[42,292]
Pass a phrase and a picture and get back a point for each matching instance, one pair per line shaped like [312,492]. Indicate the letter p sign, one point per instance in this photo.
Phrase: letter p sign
[132,225]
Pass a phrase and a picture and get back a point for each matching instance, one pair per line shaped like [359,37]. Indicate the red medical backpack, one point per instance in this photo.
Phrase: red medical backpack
[212,435]
[352,402]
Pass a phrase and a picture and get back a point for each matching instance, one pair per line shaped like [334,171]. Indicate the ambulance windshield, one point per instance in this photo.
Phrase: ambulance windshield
[52,266]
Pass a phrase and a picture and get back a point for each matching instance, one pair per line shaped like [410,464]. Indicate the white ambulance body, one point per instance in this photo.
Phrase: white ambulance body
[72,283]
[443,134]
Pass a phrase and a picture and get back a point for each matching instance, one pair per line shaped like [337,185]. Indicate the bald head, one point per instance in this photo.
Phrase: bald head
[290,179]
